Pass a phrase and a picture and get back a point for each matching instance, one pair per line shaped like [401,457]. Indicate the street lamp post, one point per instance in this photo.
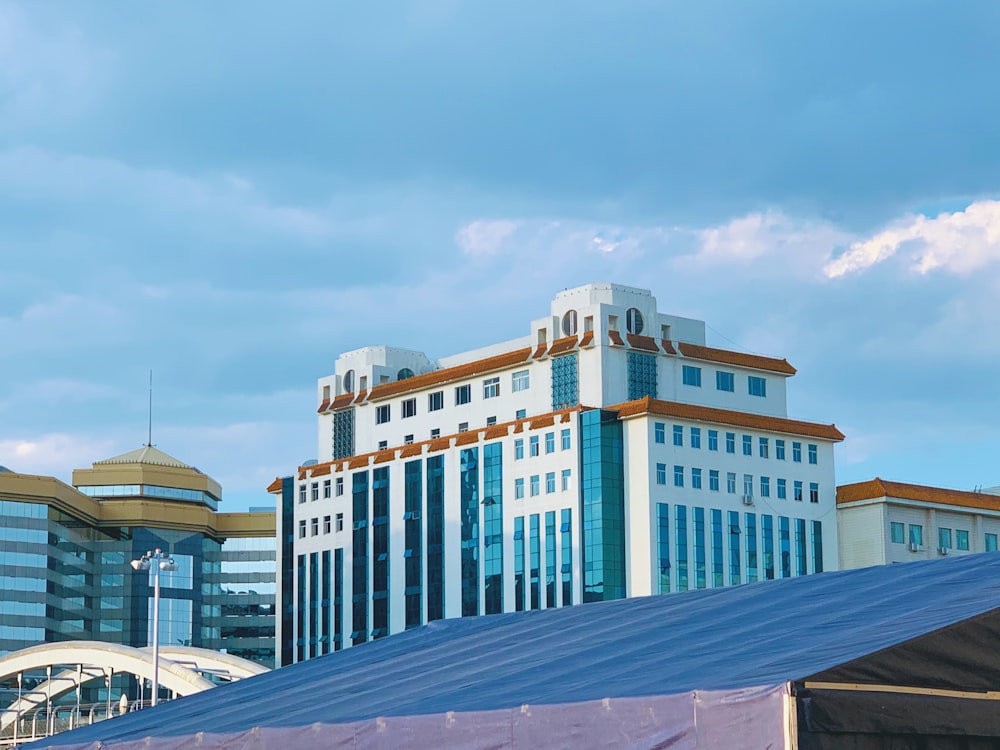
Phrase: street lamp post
[155,561]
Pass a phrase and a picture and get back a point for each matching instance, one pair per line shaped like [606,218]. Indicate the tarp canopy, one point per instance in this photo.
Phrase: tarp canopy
[720,657]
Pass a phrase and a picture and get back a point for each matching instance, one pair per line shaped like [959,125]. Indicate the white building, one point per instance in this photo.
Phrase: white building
[882,522]
[608,453]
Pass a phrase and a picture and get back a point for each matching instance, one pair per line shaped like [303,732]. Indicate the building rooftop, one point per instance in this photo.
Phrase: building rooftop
[878,488]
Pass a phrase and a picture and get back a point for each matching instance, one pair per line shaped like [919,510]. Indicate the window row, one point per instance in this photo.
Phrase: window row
[724,381]
[329,524]
[330,487]
[947,538]
[746,443]
[534,484]
[520,381]
[534,444]
[697,480]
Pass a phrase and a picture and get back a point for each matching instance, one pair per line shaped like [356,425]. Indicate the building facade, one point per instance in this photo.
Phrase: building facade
[608,453]
[65,554]
[882,522]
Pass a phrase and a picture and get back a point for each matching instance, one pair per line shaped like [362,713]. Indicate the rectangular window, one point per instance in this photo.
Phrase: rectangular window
[897,533]
[782,490]
[797,452]
[533,445]
[490,421]
[409,408]
[519,381]
[779,450]
[916,534]
[812,453]
[797,491]
[762,447]
[661,473]
[408,439]
[713,440]
[518,488]
[678,476]
[491,387]
[518,449]
[326,488]
[534,484]
[326,524]
[748,484]
[696,478]
[691,376]
[747,445]
[520,414]
[944,538]
[382,414]
[565,479]
[813,492]
[463,394]
[383,444]
[340,522]
[435,433]
[961,539]
[550,482]
[678,435]
[731,482]
[463,426]
[725,381]
[765,486]
[713,480]
[730,442]
[991,542]
[302,529]
[339,486]
[564,442]
[302,493]
[315,491]
[696,437]
[659,432]
[435,401]
[550,442]
[757,386]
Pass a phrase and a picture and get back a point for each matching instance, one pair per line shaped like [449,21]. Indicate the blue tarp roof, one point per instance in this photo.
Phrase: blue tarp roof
[719,639]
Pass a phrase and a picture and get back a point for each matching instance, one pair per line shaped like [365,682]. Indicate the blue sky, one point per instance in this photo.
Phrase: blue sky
[232,193]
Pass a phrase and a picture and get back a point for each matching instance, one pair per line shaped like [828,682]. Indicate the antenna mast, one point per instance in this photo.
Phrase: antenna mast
[149,441]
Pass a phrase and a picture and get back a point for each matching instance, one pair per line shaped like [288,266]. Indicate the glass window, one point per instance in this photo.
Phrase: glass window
[633,321]
[678,476]
[813,492]
[713,480]
[730,442]
[812,453]
[641,371]
[565,479]
[533,445]
[782,490]
[314,526]
[550,482]
[491,387]
[725,381]
[779,450]
[748,484]
[382,414]
[916,534]
[518,488]
[696,437]
[435,401]
[518,449]
[765,486]
[520,414]
[302,528]
[713,440]
[302,493]
[564,439]
[409,408]
[550,442]
[991,542]
[747,445]
[326,524]
[659,432]
[897,533]
[661,473]
[340,522]
[678,435]
[463,394]
[961,539]
[797,490]
[519,381]
[731,482]
[757,386]
[691,376]
[762,447]
[339,486]
[944,538]
[326,488]
[797,452]
[696,478]
[314,494]
[534,484]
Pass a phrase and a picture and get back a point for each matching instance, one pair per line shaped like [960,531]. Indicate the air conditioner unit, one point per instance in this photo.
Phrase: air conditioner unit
[942,550]
[914,547]
[748,499]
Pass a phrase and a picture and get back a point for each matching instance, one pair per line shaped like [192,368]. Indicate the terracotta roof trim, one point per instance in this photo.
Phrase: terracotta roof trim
[737,359]
[451,374]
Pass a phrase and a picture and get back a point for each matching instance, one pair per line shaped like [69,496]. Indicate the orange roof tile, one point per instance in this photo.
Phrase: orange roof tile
[360,397]
[274,486]
[539,352]
[414,449]
[561,346]
[642,342]
[450,374]
[385,456]
[545,421]
[616,338]
[358,461]
[319,470]
[323,406]
[496,431]
[342,400]
[668,346]
[878,488]
[467,438]
[648,405]
[439,444]
[302,474]
[587,339]
[739,359]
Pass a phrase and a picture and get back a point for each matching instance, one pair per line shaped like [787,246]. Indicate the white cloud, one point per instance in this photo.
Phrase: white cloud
[54,454]
[959,242]
[484,236]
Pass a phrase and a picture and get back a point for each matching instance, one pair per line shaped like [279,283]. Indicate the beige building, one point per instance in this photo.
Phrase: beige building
[881,522]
